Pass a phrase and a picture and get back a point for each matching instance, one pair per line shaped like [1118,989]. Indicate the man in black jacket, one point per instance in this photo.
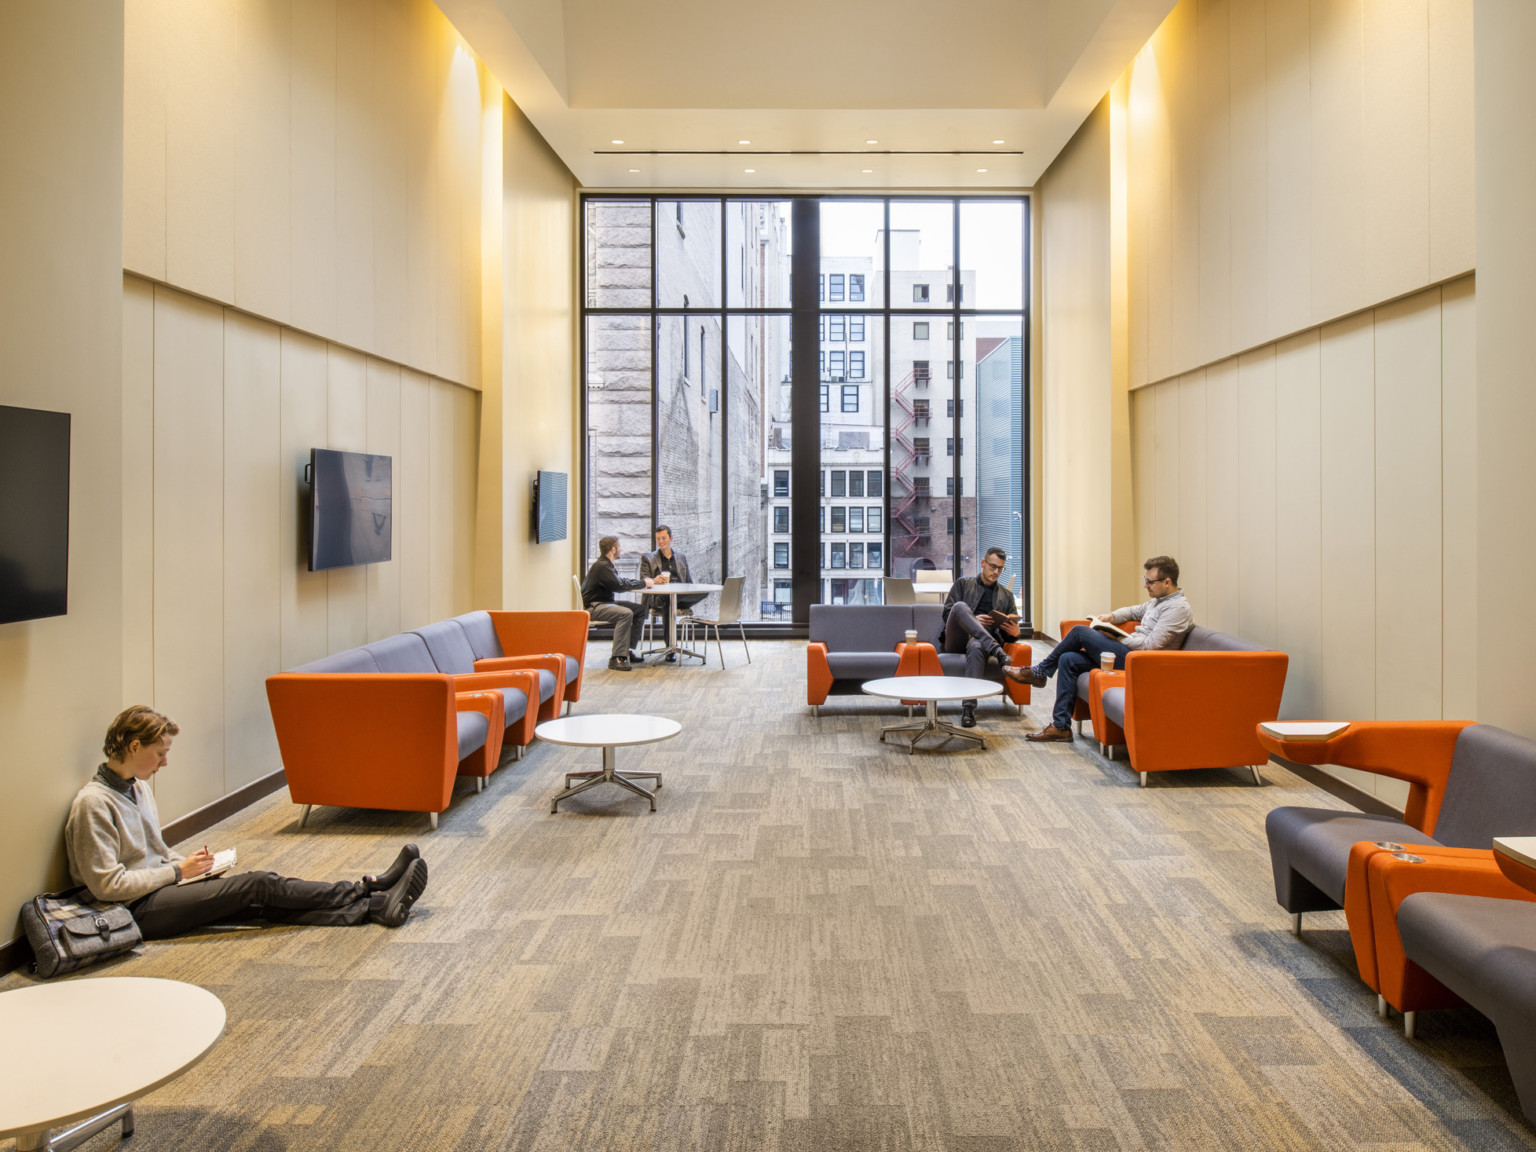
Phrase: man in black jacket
[597,591]
[675,565]
[978,614]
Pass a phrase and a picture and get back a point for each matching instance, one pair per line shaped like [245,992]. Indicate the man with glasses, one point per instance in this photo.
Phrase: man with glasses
[978,613]
[1165,619]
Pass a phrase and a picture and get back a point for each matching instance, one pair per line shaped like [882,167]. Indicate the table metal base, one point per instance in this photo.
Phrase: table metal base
[78,1134]
[931,725]
[608,775]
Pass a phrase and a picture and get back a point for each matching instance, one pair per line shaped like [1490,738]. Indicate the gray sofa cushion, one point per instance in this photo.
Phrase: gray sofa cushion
[1199,639]
[1491,790]
[862,665]
[953,664]
[406,652]
[1114,706]
[353,660]
[449,647]
[472,730]
[927,619]
[860,627]
[1314,843]
[1082,685]
[514,703]
[571,668]
[481,634]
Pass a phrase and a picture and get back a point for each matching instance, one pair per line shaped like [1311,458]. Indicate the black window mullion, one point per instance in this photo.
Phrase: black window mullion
[955,425]
[805,409]
[655,377]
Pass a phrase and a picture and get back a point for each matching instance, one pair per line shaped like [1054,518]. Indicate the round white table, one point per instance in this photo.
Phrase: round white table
[81,1046]
[931,690]
[672,590]
[608,733]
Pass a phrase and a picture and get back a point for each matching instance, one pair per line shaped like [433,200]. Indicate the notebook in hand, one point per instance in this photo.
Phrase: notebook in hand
[222,863]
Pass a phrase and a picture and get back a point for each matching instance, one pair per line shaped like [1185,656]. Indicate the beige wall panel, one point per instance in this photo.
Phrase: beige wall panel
[253,474]
[1149,163]
[263,129]
[347,431]
[413,500]
[303,593]
[466,444]
[1349,510]
[1298,523]
[384,440]
[1181,82]
[1256,495]
[1452,210]
[424,95]
[441,483]
[138,491]
[1193,556]
[200,147]
[1396,123]
[1339,208]
[391,263]
[1144,469]
[144,79]
[1288,69]
[1250,179]
[312,175]
[358,134]
[1408,513]
[189,519]
[1215,194]
[1222,603]
[456,174]
[1458,438]
[1167,447]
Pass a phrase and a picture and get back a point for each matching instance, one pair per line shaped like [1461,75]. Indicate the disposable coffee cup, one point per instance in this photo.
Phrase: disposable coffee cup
[911,635]
[1107,661]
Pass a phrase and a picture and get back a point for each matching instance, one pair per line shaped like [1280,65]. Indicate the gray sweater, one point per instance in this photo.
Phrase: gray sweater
[1164,621]
[114,844]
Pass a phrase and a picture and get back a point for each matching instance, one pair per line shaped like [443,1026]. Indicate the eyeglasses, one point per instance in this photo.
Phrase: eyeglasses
[992,567]
[1153,579]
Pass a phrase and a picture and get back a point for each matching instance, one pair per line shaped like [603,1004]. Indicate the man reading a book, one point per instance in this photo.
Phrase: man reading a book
[116,849]
[978,614]
[1164,619]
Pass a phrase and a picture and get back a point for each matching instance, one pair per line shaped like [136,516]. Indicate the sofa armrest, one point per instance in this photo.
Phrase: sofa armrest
[1105,730]
[919,659]
[525,681]
[540,633]
[818,674]
[1416,751]
[551,662]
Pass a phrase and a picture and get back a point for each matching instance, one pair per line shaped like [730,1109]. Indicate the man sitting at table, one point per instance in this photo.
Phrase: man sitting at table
[597,597]
[675,566]
[979,613]
[1165,619]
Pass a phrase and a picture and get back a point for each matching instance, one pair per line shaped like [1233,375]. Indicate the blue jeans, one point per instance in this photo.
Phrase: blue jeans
[1078,652]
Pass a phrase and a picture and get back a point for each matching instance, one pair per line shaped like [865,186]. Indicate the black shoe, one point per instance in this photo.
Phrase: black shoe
[999,656]
[393,907]
[671,657]
[636,658]
[620,664]
[391,876]
[968,714]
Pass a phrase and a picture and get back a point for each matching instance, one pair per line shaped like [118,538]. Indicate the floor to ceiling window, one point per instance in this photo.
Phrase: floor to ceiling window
[921,388]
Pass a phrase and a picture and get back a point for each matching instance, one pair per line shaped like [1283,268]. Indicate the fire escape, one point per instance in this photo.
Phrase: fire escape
[910,413]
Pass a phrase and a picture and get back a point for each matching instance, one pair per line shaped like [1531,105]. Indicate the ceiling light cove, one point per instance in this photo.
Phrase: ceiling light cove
[615,141]
[871,141]
[743,141]
[999,141]
[749,171]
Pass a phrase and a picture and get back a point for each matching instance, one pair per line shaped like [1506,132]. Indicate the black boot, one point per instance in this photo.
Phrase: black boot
[393,907]
[968,714]
[390,877]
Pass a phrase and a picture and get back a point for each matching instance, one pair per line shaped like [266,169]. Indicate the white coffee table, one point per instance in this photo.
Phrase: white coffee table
[81,1052]
[607,733]
[673,590]
[931,690]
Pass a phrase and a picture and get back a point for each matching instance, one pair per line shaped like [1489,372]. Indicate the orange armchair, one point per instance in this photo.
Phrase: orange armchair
[922,659]
[545,635]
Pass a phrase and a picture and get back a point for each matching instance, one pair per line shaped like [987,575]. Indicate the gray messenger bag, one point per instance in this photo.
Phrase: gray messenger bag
[69,930]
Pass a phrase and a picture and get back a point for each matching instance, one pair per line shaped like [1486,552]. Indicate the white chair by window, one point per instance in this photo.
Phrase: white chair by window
[729,613]
[898,590]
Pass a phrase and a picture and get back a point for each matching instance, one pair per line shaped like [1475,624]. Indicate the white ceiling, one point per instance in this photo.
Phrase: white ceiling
[866,84]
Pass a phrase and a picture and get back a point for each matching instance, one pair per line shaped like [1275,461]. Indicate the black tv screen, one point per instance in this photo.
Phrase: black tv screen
[350,508]
[549,507]
[34,514]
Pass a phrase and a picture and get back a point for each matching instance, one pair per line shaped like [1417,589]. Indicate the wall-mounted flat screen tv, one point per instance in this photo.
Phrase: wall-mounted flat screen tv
[549,507]
[350,508]
[34,514]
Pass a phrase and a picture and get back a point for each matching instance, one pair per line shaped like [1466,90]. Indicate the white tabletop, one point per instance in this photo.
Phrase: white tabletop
[1520,848]
[676,589]
[615,731]
[932,688]
[1302,730]
[77,1048]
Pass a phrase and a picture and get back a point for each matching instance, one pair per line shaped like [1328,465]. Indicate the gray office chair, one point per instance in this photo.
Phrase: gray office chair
[729,613]
[898,590]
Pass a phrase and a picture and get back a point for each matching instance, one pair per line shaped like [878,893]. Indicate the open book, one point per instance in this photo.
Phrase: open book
[1113,631]
[222,863]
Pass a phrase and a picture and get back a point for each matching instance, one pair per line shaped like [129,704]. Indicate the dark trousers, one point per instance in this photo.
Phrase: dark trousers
[179,908]
[625,618]
[1078,652]
[964,633]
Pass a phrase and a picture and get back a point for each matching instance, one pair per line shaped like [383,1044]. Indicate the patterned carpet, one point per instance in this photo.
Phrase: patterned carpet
[816,943]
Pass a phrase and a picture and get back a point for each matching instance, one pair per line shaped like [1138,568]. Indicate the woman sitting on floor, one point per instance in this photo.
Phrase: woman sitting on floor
[116,850]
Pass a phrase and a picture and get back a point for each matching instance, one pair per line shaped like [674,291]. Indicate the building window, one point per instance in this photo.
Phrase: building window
[826,403]
[822,360]
[856,365]
[837,328]
[821,518]
[839,555]
[781,555]
[781,519]
[950,487]
[872,520]
[875,485]
[855,517]
[920,371]
[949,446]
[949,293]
[836,284]
[949,527]
[821,484]
[856,286]
[783,592]
[949,370]
[821,327]
[919,446]
[850,397]
[920,486]
[839,518]
[856,324]
[855,483]
[875,556]
[919,293]
[949,407]
[781,482]
[950,335]
[839,482]
[855,555]
[835,363]
[919,329]
[920,408]
[821,289]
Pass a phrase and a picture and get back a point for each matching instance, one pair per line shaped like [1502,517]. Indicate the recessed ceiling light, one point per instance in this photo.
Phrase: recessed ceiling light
[616,141]
[871,141]
[981,169]
[634,169]
[749,171]
[743,141]
[999,141]
[867,171]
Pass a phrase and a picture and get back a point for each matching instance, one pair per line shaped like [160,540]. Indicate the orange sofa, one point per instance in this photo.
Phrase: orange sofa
[1192,707]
